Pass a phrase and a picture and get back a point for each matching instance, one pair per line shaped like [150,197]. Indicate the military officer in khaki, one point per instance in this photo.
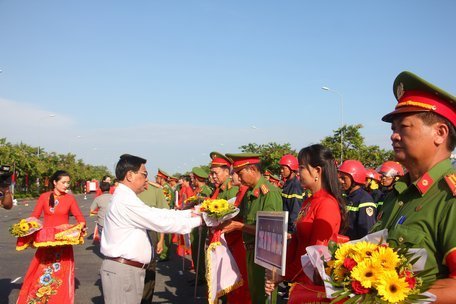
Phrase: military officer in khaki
[153,197]
[420,212]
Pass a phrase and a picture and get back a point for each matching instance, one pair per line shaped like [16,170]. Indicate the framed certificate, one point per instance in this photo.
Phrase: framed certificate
[271,240]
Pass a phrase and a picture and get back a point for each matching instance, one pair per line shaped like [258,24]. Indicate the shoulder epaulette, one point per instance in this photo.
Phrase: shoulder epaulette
[451,181]
[264,189]
[155,184]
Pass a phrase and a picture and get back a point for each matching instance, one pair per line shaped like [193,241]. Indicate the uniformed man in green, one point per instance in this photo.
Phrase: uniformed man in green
[261,196]
[221,174]
[421,210]
[153,197]
[162,179]
[201,191]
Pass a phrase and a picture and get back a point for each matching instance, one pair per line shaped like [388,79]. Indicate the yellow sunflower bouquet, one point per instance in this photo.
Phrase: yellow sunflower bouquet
[367,271]
[216,211]
[25,227]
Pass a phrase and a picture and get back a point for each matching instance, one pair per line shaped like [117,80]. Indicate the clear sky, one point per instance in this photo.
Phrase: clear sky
[172,81]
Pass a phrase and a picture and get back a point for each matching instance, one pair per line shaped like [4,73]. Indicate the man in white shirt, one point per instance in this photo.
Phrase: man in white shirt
[124,241]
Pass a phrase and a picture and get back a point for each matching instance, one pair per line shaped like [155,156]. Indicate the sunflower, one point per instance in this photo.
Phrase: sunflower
[366,273]
[392,288]
[224,206]
[214,207]
[24,227]
[364,250]
[344,251]
[386,258]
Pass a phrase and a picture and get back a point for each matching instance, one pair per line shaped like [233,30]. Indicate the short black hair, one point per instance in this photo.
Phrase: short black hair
[127,163]
[104,186]
[430,118]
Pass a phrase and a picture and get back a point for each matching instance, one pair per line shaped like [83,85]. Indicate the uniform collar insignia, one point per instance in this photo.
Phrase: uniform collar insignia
[451,182]
[424,183]
[256,192]
[264,189]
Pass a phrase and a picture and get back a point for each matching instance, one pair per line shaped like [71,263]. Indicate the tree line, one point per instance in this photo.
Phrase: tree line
[34,167]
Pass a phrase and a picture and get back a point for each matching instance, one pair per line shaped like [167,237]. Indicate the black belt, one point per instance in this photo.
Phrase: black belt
[128,262]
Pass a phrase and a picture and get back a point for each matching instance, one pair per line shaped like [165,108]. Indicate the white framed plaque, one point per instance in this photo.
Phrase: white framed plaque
[271,240]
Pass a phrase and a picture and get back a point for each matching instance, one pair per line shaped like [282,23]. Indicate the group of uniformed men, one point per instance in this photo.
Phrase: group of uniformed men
[417,207]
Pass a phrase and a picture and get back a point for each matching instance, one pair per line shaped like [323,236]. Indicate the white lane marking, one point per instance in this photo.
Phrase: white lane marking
[16,279]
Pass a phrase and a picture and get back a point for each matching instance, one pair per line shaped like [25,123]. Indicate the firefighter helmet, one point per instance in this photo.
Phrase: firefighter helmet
[355,169]
[290,161]
[391,169]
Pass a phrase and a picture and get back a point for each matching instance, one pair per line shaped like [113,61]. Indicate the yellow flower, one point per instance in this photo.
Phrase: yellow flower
[223,205]
[24,227]
[344,251]
[386,258]
[363,250]
[42,291]
[366,273]
[215,207]
[392,288]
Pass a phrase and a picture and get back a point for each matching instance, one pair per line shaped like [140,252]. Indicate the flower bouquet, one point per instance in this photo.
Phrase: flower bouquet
[217,211]
[25,227]
[192,201]
[369,271]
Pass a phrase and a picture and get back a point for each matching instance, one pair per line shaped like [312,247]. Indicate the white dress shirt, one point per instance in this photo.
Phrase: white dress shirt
[127,220]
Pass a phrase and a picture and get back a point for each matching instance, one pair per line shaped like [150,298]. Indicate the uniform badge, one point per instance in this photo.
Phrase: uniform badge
[418,208]
[379,216]
[400,91]
[256,192]
[451,181]
[370,211]
[264,189]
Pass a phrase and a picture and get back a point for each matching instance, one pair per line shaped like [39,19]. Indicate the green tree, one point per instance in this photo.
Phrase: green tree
[31,167]
[270,154]
[354,147]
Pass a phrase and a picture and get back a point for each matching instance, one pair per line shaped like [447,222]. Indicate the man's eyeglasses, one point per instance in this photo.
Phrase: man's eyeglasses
[143,173]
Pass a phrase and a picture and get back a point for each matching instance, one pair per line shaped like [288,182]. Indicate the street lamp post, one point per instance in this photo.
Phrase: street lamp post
[341,120]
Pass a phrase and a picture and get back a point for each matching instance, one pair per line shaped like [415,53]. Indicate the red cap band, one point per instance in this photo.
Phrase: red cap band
[216,161]
[427,102]
[244,162]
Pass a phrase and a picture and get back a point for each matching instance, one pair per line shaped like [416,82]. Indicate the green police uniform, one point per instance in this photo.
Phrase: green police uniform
[423,215]
[197,241]
[227,190]
[263,197]
[152,197]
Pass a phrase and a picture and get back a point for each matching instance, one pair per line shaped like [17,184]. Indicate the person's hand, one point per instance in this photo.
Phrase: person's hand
[271,281]
[230,226]
[160,247]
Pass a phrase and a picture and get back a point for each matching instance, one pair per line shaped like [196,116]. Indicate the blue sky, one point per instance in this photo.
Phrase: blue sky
[174,80]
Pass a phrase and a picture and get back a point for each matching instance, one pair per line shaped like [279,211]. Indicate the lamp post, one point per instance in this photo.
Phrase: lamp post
[341,120]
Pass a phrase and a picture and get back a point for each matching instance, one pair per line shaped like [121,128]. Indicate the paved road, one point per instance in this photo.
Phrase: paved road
[171,286]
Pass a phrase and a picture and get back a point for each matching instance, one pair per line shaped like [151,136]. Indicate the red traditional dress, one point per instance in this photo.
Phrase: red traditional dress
[318,222]
[50,277]
[182,247]
[240,295]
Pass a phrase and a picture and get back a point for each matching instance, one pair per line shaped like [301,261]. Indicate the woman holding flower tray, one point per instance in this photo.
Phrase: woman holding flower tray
[319,221]
[50,277]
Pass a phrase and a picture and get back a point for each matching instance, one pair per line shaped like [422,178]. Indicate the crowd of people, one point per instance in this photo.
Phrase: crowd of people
[412,196]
